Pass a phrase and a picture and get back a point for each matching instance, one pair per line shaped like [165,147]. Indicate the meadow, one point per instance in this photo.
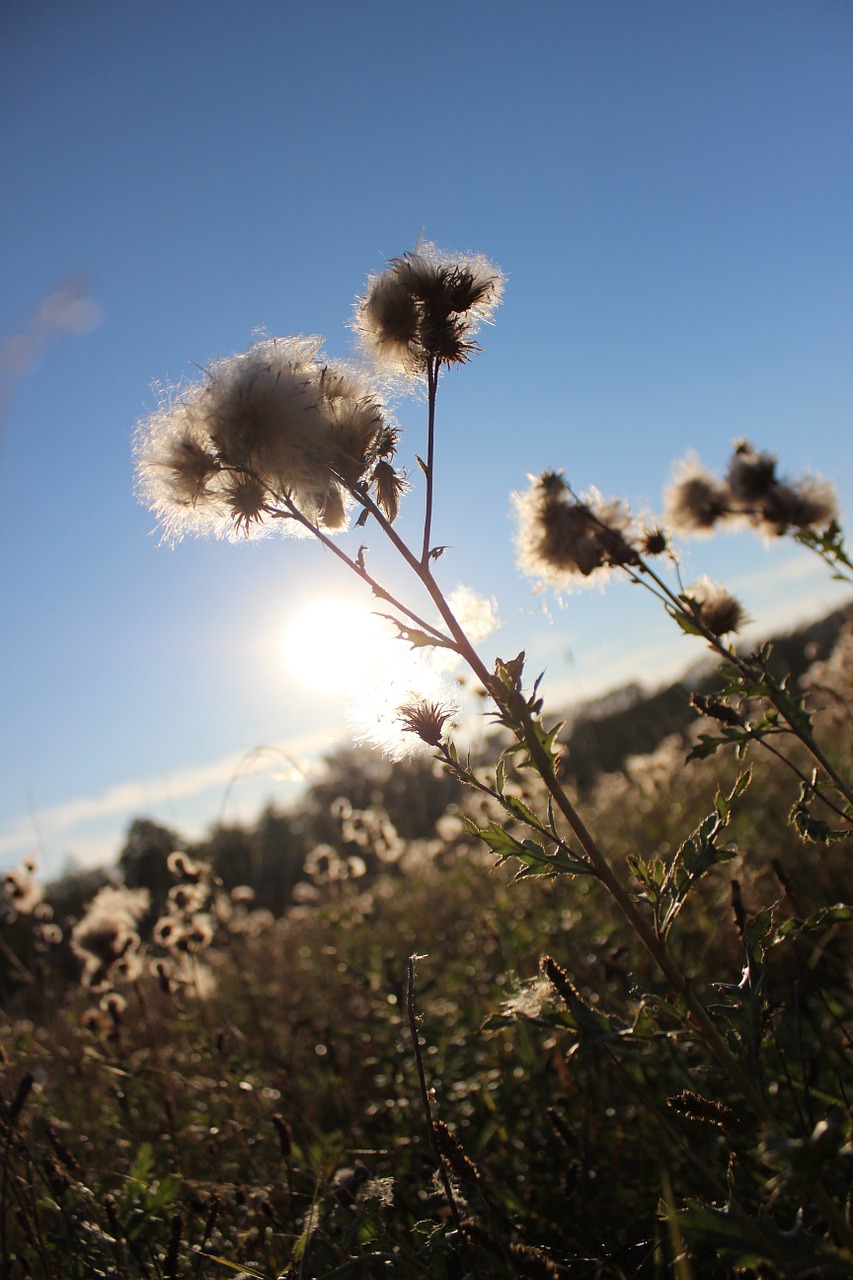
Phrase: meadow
[578,1004]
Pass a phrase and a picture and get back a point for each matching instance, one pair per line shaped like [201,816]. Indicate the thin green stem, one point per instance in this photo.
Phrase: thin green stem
[804,778]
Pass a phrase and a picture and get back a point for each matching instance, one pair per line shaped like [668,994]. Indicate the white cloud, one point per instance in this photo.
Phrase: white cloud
[74,822]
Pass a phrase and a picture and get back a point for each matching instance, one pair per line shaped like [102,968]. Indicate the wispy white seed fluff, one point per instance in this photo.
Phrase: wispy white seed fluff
[278,422]
[565,541]
[408,709]
[425,306]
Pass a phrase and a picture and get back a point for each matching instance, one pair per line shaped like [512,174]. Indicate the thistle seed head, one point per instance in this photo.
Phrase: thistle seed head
[563,540]
[426,306]
[750,476]
[716,608]
[695,501]
[278,422]
[751,492]
[426,719]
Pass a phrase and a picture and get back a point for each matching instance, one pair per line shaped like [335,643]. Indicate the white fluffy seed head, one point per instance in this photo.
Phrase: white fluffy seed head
[276,422]
[425,306]
[567,542]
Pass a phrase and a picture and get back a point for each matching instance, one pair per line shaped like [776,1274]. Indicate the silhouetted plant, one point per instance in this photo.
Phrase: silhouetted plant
[660,1080]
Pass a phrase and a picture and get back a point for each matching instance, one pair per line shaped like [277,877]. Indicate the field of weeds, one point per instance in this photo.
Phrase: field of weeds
[195,1084]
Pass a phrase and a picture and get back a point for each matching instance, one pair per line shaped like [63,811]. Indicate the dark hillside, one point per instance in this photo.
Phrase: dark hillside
[603,734]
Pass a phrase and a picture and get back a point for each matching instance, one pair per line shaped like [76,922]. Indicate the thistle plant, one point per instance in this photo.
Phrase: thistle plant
[283,439]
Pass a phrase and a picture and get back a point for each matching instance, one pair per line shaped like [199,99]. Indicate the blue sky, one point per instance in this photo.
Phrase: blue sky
[668,188]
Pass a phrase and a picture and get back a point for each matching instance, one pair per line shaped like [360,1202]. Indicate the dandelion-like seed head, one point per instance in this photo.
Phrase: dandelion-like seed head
[717,608]
[695,501]
[750,475]
[324,865]
[51,935]
[654,542]
[183,867]
[276,424]
[477,615]
[198,934]
[106,935]
[381,1190]
[808,503]
[528,999]
[773,504]
[167,932]
[565,541]
[817,503]
[247,499]
[186,899]
[426,306]
[751,492]
[387,321]
[114,1004]
[189,463]
[389,486]
[19,891]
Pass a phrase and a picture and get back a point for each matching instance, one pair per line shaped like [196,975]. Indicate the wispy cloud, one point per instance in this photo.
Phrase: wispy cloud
[72,822]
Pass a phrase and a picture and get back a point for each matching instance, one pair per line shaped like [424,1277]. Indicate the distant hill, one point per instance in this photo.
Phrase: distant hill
[604,732]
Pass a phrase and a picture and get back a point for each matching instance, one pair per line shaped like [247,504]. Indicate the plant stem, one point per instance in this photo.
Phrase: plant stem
[432,389]
[680,984]
[744,667]
[293,513]
[439,1159]
[525,732]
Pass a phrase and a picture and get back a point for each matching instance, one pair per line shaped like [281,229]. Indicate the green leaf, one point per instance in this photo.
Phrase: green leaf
[809,827]
[687,625]
[500,841]
[144,1164]
[709,743]
[162,1193]
[840,913]
[724,803]
[240,1267]
[829,545]
[520,810]
[740,1241]
[416,638]
[650,874]
[756,931]
[698,854]
[534,857]
[498,1021]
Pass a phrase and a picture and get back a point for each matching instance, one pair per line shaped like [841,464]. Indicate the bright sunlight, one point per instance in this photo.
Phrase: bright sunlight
[334,645]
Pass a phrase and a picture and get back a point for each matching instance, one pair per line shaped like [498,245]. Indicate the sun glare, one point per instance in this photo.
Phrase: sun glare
[333,645]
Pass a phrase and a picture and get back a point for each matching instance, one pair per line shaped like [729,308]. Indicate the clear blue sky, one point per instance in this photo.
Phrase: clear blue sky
[668,187]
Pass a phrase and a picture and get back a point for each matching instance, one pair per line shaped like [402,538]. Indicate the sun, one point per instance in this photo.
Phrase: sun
[334,645]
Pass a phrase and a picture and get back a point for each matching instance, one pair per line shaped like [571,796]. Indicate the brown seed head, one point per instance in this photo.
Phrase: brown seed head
[426,719]
[716,608]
